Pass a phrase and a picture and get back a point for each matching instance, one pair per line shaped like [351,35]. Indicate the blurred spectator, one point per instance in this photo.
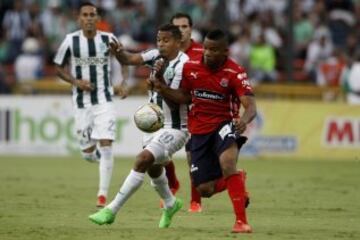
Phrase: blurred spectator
[29,65]
[318,51]
[56,23]
[240,49]
[16,23]
[303,32]
[103,24]
[352,82]
[341,20]
[262,61]
[330,70]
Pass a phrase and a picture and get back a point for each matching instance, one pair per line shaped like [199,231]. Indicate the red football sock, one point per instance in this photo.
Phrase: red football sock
[220,185]
[195,195]
[235,186]
[171,175]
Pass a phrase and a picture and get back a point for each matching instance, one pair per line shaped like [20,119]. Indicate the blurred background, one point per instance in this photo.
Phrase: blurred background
[306,54]
[308,42]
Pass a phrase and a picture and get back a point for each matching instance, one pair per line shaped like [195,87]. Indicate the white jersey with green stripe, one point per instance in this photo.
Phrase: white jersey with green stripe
[88,59]
[175,114]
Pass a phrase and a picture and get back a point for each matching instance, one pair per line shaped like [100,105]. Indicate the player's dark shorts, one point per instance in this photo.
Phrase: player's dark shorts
[205,151]
[188,145]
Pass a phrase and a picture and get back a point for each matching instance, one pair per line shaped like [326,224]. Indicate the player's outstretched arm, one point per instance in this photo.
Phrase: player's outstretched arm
[124,57]
[180,96]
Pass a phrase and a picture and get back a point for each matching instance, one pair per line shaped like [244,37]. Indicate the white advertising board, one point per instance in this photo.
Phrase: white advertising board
[44,125]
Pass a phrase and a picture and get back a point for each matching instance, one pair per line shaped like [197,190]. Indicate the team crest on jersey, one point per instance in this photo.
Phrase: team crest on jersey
[169,73]
[224,82]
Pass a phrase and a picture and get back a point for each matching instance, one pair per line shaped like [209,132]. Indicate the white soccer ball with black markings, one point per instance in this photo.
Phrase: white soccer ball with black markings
[149,118]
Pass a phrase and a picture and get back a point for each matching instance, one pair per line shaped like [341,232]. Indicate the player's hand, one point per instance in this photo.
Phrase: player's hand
[240,125]
[115,46]
[155,83]
[121,91]
[150,83]
[84,85]
[159,67]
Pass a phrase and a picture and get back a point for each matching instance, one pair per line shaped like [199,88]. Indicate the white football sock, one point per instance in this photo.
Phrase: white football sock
[132,182]
[105,169]
[162,187]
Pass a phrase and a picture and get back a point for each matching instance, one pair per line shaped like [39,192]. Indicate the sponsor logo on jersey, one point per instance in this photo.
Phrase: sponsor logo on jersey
[86,61]
[242,76]
[203,94]
[194,74]
[193,168]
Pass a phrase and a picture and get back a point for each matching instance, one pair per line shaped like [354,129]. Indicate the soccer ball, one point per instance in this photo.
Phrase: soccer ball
[149,118]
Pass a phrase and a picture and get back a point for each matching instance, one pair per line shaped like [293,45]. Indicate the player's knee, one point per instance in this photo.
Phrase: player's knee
[144,160]
[105,142]
[228,167]
[205,190]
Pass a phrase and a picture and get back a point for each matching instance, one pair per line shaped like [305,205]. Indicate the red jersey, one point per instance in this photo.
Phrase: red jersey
[213,93]
[195,50]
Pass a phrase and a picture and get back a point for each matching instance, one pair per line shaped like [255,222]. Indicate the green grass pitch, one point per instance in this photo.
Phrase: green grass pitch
[51,197]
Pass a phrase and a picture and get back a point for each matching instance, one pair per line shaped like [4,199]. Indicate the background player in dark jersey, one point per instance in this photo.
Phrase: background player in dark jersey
[210,85]
[194,51]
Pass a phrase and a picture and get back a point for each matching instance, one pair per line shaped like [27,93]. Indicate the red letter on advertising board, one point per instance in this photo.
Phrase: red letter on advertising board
[338,132]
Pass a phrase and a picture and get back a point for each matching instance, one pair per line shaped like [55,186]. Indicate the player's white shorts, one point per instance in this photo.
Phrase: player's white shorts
[164,143]
[94,123]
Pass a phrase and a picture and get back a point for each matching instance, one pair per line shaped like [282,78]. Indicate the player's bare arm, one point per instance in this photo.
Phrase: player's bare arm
[180,96]
[124,57]
[64,75]
[248,102]
[121,90]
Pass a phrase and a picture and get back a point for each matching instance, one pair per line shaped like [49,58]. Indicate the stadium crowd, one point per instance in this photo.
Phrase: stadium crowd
[325,34]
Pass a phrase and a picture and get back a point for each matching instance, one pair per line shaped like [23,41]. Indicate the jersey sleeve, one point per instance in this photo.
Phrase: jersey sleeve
[63,53]
[175,84]
[241,83]
[149,56]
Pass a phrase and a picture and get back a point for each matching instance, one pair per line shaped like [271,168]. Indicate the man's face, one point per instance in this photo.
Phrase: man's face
[215,53]
[88,18]
[166,43]
[185,28]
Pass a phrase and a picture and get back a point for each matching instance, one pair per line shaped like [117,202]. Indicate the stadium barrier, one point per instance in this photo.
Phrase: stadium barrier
[44,125]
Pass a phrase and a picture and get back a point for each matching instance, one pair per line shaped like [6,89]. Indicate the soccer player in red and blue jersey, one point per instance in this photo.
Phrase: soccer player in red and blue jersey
[210,85]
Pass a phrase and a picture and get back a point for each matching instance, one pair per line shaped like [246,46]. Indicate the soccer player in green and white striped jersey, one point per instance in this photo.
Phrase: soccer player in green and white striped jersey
[163,143]
[83,60]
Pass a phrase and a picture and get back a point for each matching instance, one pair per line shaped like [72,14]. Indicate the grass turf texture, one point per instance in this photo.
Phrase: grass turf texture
[51,198]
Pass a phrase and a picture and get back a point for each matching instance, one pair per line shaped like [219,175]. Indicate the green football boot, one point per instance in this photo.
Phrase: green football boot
[104,216]
[168,213]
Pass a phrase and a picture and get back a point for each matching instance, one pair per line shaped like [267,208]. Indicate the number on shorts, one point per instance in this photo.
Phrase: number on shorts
[166,138]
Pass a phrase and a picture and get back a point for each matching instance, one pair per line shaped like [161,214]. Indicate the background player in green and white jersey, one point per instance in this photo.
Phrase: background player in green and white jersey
[83,60]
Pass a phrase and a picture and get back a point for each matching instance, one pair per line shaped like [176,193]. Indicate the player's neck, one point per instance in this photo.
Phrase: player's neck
[185,46]
[89,33]
[172,56]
